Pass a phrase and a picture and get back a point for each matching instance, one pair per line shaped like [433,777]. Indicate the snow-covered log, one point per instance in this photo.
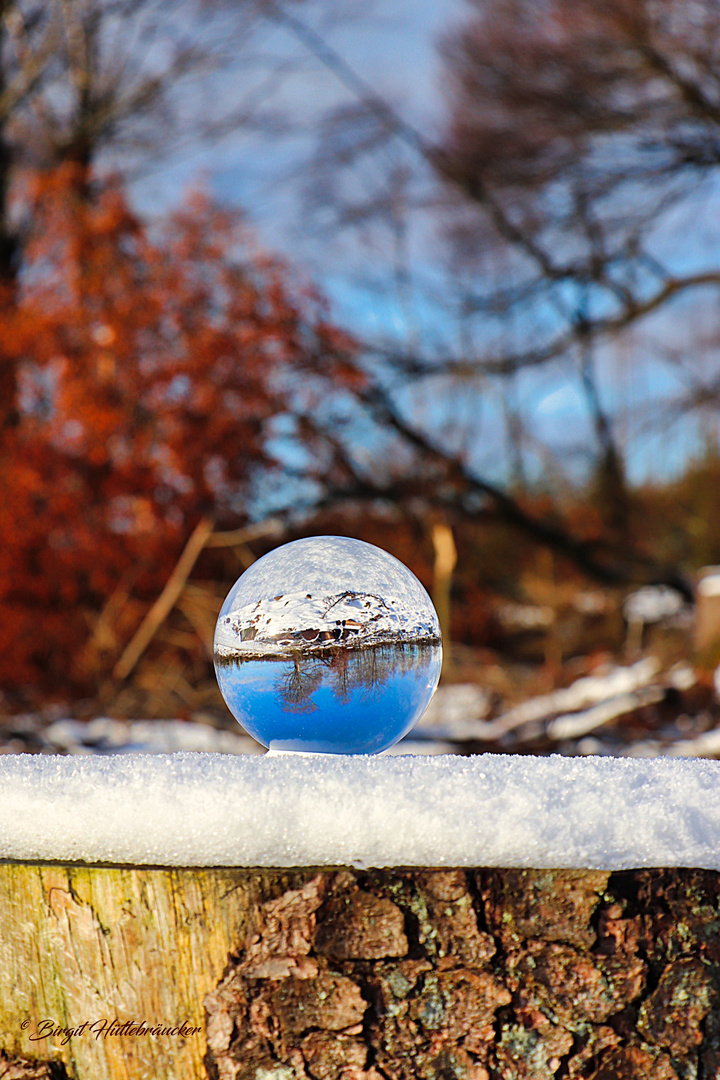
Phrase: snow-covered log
[217,917]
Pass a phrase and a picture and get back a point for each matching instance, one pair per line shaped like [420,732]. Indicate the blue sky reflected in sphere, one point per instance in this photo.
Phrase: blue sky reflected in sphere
[350,701]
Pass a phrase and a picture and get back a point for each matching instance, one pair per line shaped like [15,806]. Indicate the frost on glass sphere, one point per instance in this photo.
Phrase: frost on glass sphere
[328,645]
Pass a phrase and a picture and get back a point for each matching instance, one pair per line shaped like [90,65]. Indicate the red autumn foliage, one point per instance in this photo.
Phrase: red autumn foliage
[140,372]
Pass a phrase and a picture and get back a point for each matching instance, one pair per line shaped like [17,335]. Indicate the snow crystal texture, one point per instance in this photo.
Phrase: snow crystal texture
[288,810]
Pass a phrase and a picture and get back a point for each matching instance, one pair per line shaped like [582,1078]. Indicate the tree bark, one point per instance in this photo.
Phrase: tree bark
[358,975]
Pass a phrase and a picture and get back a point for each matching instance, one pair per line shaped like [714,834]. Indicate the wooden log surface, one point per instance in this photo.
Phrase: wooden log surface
[86,944]
[131,973]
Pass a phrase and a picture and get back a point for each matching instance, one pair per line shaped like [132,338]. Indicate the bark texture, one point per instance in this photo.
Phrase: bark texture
[361,975]
[470,975]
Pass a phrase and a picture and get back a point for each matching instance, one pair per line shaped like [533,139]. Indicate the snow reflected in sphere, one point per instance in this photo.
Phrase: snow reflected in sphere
[328,645]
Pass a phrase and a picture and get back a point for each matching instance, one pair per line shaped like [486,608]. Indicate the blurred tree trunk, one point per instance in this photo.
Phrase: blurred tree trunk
[8,239]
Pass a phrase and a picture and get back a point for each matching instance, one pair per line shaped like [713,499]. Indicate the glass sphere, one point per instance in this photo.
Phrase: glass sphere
[328,645]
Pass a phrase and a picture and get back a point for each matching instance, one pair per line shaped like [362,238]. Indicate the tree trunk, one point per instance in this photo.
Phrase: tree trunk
[358,975]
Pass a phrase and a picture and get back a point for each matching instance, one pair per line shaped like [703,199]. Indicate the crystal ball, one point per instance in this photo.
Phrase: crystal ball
[328,645]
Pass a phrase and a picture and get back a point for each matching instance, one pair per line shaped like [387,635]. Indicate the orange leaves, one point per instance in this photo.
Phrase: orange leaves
[143,367]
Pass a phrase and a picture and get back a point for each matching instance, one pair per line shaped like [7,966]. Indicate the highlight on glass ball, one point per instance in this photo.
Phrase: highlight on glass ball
[328,645]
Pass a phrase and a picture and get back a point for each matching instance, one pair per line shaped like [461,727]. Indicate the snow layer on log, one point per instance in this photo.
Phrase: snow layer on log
[315,810]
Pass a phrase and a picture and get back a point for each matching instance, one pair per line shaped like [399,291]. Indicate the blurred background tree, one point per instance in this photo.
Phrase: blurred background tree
[570,195]
[152,375]
[148,376]
[584,135]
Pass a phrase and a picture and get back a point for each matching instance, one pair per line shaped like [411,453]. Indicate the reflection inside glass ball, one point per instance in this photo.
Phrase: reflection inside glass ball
[328,645]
